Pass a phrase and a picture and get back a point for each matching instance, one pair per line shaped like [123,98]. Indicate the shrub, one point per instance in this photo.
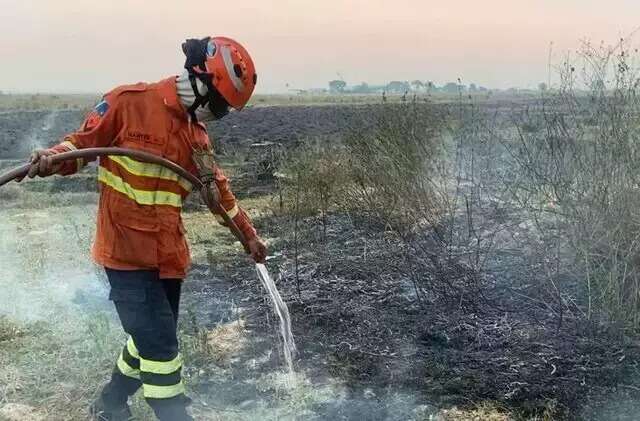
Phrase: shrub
[581,174]
[397,167]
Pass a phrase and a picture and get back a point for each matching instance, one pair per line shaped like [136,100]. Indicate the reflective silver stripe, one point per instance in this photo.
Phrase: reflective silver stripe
[79,161]
[228,64]
[69,145]
[232,214]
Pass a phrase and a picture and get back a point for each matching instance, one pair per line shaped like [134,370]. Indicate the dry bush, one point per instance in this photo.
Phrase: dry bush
[390,170]
[397,169]
[577,156]
[400,170]
[313,178]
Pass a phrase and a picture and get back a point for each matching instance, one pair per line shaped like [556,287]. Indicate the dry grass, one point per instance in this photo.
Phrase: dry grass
[57,370]
[9,193]
[484,412]
[20,412]
[46,101]
[225,341]
[490,411]
[9,331]
[37,101]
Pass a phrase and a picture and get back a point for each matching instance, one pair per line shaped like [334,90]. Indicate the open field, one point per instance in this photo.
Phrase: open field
[451,310]
[9,102]
[49,102]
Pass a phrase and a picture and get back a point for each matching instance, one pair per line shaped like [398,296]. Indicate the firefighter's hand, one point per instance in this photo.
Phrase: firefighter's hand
[257,249]
[41,164]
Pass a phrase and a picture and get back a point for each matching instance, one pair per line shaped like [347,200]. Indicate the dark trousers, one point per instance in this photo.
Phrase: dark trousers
[148,310]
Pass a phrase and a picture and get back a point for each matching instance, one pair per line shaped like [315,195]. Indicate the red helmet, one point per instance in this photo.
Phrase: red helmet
[232,71]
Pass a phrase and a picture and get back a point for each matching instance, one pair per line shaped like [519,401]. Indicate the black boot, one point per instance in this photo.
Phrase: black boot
[174,409]
[102,412]
[112,403]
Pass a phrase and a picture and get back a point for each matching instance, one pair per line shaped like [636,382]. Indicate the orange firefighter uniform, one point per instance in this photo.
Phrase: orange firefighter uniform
[140,236]
[139,224]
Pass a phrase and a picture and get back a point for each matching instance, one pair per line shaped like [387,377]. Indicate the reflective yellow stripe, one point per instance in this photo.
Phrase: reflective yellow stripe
[161,367]
[142,197]
[162,392]
[232,214]
[142,169]
[131,347]
[126,369]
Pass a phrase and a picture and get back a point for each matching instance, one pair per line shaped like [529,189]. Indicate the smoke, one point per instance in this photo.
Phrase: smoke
[39,136]
[45,270]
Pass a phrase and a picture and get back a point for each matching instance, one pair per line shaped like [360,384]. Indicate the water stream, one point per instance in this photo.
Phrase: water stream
[281,310]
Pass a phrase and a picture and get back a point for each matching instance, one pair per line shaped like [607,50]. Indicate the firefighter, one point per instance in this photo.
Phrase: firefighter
[140,238]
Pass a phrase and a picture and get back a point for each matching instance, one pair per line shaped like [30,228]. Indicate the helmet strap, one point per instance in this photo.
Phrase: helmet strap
[200,100]
[195,51]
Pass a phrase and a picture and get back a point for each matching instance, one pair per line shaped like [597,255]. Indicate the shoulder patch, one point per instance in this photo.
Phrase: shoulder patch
[102,108]
[95,116]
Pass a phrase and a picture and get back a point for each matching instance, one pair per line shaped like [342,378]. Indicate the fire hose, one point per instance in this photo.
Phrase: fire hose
[89,154]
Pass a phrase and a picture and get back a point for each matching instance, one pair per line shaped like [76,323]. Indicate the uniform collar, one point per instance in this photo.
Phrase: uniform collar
[169,92]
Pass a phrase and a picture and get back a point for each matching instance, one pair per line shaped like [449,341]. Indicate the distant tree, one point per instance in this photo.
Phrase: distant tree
[398,87]
[542,87]
[363,88]
[473,88]
[417,85]
[431,87]
[451,88]
[337,86]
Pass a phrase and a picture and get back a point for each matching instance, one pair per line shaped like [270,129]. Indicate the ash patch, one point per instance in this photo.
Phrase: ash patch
[359,316]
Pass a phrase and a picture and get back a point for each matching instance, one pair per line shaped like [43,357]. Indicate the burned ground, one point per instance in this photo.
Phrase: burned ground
[361,313]
[21,131]
[356,308]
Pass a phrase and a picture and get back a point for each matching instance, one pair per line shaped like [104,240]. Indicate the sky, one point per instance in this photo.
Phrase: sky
[93,46]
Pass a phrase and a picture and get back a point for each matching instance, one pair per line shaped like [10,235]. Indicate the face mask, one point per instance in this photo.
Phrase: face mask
[188,97]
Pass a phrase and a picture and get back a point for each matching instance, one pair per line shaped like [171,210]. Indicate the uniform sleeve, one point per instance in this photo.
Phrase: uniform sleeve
[99,129]
[230,204]
[227,198]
